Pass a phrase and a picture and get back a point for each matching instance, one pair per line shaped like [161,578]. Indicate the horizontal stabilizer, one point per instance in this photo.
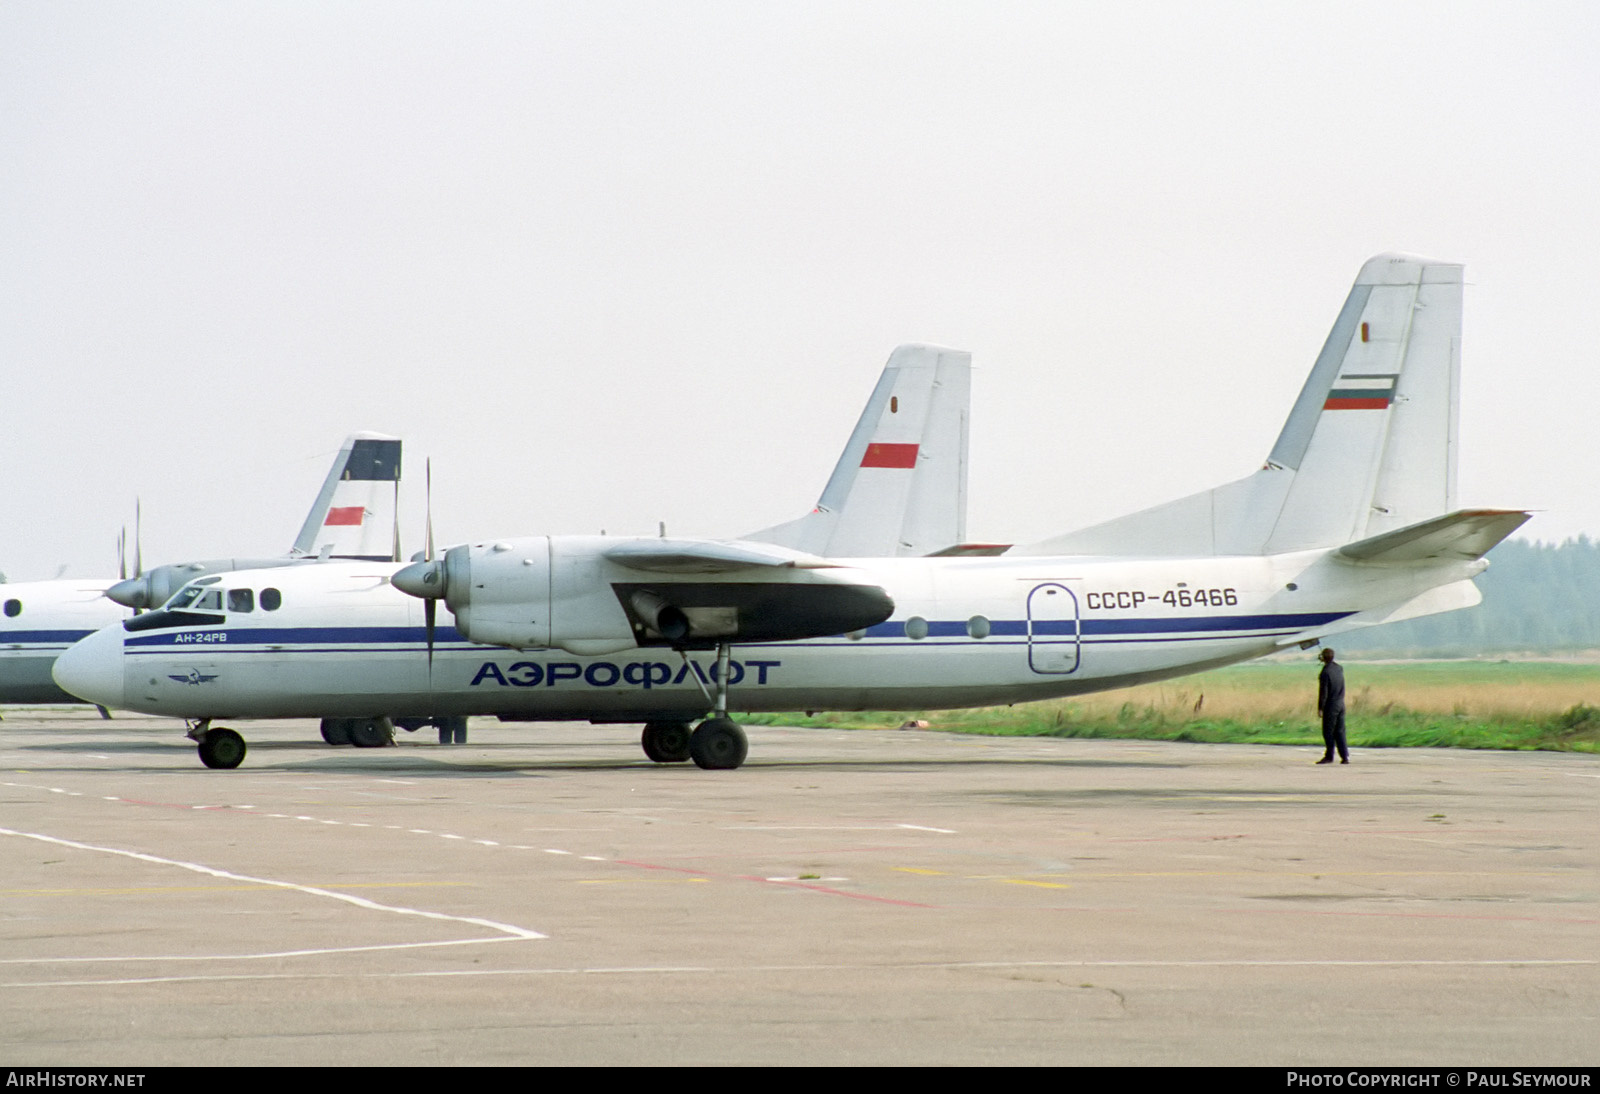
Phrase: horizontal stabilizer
[704,556]
[1463,535]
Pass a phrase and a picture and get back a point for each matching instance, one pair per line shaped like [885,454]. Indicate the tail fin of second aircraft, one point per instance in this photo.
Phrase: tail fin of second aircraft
[900,488]
[1370,446]
[354,515]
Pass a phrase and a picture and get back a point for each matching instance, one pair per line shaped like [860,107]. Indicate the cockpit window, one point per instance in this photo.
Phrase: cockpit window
[184,597]
[271,600]
[241,600]
[210,602]
[13,608]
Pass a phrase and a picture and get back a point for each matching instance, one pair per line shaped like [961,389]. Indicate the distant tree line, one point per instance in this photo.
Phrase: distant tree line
[1537,597]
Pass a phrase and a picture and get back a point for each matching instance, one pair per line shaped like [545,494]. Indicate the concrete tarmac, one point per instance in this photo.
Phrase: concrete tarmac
[545,895]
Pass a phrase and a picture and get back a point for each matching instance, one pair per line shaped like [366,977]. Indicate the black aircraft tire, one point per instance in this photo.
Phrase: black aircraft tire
[718,744]
[666,742]
[368,733]
[222,749]
[336,731]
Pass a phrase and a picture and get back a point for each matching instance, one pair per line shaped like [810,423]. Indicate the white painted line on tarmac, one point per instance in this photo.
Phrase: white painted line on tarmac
[124,959]
[679,970]
[360,902]
[349,824]
[925,828]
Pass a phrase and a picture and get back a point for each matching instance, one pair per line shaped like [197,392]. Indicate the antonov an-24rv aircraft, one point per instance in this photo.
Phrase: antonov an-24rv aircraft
[353,517]
[1350,523]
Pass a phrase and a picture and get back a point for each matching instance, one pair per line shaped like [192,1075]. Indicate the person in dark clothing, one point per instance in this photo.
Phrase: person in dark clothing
[1330,708]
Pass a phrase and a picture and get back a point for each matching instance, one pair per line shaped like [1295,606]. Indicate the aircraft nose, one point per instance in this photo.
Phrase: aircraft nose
[92,669]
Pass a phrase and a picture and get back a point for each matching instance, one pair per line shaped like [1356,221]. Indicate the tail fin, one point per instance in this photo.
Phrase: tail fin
[900,488]
[1370,446]
[355,513]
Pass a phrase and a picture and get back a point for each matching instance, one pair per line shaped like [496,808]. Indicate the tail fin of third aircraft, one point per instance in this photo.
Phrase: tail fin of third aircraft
[354,515]
[1370,446]
[900,488]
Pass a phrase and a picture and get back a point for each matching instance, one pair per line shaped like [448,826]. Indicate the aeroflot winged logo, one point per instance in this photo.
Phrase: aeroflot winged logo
[194,676]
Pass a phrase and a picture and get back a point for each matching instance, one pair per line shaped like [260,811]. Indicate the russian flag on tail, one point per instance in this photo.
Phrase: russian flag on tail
[1361,392]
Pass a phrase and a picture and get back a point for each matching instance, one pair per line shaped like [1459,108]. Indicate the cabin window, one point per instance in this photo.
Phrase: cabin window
[916,627]
[241,600]
[978,627]
[271,600]
[13,608]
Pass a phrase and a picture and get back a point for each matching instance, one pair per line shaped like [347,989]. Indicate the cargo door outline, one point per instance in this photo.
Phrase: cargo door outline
[1053,639]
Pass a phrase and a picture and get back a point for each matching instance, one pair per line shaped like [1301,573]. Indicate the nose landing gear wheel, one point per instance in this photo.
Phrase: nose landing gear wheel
[666,742]
[336,731]
[222,748]
[718,744]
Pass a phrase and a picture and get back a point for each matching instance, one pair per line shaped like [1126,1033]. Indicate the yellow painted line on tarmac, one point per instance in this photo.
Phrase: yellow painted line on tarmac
[1319,873]
[1263,875]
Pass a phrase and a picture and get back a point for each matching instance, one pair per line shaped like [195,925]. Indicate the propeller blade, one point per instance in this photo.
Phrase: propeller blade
[430,610]
[122,554]
[395,554]
[428,494]
[138,538]
[430,606]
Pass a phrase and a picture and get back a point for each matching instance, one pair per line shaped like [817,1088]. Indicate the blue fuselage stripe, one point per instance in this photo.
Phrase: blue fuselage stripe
[375,639]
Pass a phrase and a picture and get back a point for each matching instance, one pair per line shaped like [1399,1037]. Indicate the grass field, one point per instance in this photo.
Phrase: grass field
[1456,704]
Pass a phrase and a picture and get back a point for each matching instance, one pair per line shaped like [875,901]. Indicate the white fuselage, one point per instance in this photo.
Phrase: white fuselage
[965,632]
[40,620]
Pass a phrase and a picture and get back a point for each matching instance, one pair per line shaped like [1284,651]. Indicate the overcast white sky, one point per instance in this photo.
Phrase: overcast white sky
[615,263]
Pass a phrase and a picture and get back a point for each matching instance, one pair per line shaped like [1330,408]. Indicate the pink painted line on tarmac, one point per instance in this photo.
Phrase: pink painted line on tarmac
[170,805]
[768,881]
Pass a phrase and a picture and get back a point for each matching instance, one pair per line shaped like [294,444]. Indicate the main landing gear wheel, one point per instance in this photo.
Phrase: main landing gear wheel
[718,744]
[222,748]
[666,742]
[336,731]
[370,733]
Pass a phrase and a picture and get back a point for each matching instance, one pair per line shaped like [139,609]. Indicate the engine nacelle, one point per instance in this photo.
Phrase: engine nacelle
[564,591]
